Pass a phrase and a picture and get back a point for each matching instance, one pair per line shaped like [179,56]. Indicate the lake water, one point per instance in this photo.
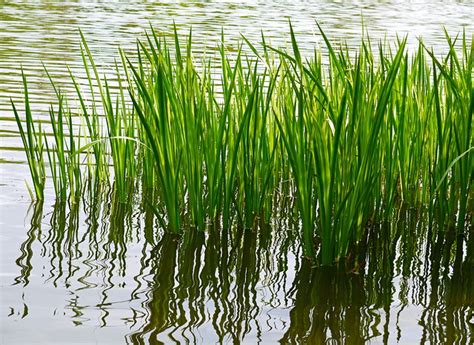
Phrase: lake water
[99,274]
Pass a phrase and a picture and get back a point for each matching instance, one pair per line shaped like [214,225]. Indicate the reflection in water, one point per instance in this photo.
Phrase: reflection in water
[250,285]
[99,263]
[24,261]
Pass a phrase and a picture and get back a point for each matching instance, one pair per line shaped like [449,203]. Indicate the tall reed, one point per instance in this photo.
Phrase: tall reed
[349,135]
[33,145]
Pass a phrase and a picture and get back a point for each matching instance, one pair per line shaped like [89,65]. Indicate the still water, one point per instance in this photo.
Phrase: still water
[98,273]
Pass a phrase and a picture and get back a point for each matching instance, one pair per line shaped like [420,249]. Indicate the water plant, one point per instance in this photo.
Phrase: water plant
[349,136]
[32,140]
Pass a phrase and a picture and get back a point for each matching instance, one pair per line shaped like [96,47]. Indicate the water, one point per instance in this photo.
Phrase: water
[99,274]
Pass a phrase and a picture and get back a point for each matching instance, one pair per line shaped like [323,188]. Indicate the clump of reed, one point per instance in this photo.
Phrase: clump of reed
[350,138]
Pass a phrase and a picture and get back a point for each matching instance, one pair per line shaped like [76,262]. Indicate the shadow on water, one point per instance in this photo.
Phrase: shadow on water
[248,285]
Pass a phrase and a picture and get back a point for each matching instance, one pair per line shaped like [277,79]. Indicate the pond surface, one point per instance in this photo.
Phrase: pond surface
[96,273]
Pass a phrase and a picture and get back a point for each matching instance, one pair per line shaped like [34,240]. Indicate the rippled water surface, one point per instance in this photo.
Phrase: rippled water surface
[98,273]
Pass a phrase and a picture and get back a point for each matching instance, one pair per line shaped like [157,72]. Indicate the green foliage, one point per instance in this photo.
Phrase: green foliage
[349,137]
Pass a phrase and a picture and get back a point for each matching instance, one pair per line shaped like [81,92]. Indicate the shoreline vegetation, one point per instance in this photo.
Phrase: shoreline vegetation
[345,144]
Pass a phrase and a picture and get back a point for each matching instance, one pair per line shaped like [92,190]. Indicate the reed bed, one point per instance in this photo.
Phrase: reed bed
[349,137]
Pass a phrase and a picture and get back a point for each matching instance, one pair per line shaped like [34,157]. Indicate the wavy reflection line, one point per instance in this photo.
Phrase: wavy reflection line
[92,209]
[58,219]
[24,260]
[160,295]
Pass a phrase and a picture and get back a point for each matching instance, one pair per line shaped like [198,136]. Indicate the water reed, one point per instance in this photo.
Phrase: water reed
[349,138]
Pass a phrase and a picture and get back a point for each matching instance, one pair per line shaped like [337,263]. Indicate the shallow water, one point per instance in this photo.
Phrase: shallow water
[112,278]
[98,274]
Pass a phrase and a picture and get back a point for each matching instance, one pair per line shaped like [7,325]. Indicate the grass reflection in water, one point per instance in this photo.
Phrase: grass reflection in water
[244,285]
